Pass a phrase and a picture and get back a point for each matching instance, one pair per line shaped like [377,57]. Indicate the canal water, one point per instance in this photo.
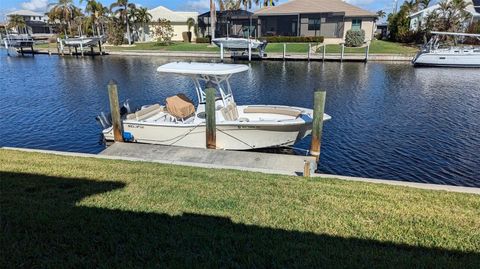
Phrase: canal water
[390,120]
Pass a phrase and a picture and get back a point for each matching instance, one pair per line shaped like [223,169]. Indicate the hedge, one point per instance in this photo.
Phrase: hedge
[297,39]
[202,40]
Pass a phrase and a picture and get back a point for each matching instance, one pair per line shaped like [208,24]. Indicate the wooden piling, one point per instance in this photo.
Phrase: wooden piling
[76,51]
[284,50]
[317,127]
[81,48]
[115,111]
[91,51]
[210,128]
[249,51]
[21,50]
[33,51]
[306,168]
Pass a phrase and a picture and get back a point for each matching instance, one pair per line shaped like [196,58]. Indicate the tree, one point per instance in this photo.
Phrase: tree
[96,10]
[64,11]
[424,3]
[164,31]
[381,14]
[143,17]
[17,22]
[190,23]
[121,8]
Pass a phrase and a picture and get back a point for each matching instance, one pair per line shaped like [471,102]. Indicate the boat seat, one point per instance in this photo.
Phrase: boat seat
[230,112]
[145,113]
[287,111]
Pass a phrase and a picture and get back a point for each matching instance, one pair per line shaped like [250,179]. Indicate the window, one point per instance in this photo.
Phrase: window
[313,24]
[356,24]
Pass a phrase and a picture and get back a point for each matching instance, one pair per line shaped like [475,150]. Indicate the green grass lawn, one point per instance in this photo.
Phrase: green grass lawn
[64,212]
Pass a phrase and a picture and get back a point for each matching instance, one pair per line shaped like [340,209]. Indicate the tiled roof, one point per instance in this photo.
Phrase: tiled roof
[315,6]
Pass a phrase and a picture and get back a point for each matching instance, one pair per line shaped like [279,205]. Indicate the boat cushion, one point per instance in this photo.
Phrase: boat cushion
[180,106]
[230,112]
[273,110]
[146,112]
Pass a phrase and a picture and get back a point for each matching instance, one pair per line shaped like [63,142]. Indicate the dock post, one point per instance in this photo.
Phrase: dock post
[309,49]
[100,47]
[284,50]
[249,51]
[33,52]
[221,52]
[91,51]
[367,52]
[21,50]
[324,52]
[317,128]
[76,51]
[210,128]
[81,48]
[343,52]
[306,168]
[115,111]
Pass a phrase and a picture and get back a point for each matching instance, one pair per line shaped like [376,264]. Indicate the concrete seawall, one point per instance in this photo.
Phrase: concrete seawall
[270,56]
[223,160]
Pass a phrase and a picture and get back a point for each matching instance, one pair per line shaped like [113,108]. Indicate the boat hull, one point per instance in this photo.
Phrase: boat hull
[229,137]
[238,43]
[447,60]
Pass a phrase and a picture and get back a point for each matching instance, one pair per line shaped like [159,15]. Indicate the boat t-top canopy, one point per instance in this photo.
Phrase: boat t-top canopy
[216,75]
[208,69]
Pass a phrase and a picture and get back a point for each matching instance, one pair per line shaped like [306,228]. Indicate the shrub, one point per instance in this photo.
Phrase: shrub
[296,39]
[354,38]
[202,40]
[164,31]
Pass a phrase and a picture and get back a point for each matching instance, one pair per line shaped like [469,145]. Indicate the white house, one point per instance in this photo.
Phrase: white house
[178,20]
[419,17]
[36,23]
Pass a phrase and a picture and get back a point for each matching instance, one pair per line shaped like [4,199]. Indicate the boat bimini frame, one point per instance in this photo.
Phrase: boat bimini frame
[216,81]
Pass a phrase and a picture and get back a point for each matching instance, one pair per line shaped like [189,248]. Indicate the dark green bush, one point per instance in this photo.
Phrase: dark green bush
[293,39]
[202,40]
[354,38]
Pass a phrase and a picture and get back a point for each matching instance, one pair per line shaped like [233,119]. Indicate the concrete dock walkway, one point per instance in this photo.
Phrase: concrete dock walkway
[240,160]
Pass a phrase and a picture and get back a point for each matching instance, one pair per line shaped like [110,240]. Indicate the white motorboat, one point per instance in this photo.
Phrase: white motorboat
[241,44]
[433,54]
[82,41]
[241,127]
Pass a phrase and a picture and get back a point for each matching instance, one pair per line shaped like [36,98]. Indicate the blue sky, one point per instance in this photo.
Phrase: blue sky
[194,5]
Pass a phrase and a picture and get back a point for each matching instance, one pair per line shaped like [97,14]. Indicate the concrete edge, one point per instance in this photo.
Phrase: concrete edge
[425,186]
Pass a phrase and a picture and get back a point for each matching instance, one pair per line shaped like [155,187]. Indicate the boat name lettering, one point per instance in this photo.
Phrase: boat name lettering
[135,126]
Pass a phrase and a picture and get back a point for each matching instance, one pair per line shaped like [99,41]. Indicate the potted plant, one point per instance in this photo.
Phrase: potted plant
[187,36]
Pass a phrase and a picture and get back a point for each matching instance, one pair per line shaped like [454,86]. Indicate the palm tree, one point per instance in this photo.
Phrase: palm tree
[121,8]
[266,3]
[143,17]
[17,22]
[381,14]
[96,10]
[63,10]
[424,3]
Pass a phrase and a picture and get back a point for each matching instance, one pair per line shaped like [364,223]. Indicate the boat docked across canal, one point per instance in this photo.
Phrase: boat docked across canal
[239,127]
[433,54]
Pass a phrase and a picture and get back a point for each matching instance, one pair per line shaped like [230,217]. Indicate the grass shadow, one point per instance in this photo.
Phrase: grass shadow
[41,226]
